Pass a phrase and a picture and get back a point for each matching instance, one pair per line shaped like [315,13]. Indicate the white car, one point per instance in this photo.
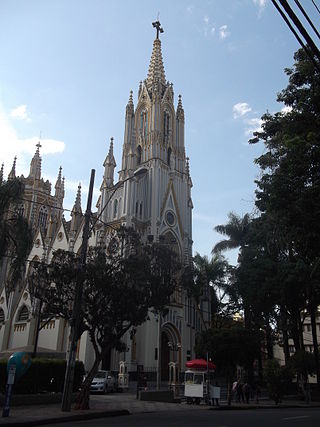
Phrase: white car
[103,382]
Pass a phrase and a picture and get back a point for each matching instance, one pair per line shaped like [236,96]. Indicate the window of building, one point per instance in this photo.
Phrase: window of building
[166,125]
[144,123]
[140,210]
[115,208]
[43,217]
[1,315]
[139,154]
[20,209]
[23,314]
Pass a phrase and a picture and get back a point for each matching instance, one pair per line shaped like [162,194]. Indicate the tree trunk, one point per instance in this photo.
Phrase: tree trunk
[313,311]
[284,327]
[269,340]
[83,398]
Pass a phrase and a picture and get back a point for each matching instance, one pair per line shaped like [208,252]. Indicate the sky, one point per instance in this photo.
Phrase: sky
[67,68]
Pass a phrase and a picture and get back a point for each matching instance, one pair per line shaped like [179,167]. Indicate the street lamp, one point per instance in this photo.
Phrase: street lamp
[174,367]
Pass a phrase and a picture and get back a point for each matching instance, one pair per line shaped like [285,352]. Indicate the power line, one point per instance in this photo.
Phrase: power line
[314,4]
[307,17]
[310,48]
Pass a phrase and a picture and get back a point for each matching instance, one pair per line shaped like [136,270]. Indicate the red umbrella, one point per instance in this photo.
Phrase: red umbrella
[200,364]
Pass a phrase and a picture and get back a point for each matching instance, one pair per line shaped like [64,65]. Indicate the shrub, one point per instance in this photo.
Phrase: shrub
[44,375]
[278,379]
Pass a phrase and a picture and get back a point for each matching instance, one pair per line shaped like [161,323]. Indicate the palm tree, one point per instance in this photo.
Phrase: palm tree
[209,280]
[15,233]
[236,230]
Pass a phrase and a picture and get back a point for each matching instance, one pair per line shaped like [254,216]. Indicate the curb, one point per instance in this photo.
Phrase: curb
[66,418]
[244,408]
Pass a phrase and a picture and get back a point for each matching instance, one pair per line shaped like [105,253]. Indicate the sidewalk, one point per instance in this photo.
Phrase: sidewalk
[120,404]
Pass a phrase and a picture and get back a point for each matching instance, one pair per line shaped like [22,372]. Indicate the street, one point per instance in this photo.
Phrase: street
[225,418]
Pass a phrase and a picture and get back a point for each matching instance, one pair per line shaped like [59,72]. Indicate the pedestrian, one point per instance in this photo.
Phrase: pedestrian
[240,396]
[234,390]
[257,392]
[246,391]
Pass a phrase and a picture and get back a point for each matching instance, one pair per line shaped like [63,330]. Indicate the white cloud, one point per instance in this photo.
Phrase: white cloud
[240,109]
[261,4]
[223,32]
[12,145]
[208,28]
[190,9]
[252,125]
[286,109]
[20,113]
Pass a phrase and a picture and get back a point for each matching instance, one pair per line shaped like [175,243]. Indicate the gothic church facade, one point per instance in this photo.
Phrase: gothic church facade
[153,195]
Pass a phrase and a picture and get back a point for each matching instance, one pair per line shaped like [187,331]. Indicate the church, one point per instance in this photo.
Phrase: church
[152,195]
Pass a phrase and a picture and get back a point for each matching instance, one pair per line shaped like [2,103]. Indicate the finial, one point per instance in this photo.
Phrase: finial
[157,25]
[12,173]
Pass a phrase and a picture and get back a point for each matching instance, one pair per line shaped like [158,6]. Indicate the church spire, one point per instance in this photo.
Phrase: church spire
[12,173]
[156,72]
[59,187]
[35,165]
[76,213]
[77,204]
[109,166]
[180,110]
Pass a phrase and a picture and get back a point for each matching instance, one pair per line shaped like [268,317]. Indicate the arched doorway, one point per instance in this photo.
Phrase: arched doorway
[170,349]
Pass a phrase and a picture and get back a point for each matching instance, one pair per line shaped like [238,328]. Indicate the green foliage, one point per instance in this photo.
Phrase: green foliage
[303,363]
[15,233]
[44,375]
[229,347]
[278,379]
[120,287]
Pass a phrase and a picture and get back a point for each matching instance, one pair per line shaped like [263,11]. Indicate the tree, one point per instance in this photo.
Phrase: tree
[120,286]
[236,230]
[229,347]
[15,233]
[288,191]
[278,379]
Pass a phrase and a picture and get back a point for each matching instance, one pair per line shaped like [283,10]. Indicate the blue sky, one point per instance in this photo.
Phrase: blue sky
[67,67]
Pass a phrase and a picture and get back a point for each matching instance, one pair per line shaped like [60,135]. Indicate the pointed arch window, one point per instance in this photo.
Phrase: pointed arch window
[144,123]
[1,315]
[166,126]
[115,208]
[139,154]
[23,314]
[43,217]
[20,209]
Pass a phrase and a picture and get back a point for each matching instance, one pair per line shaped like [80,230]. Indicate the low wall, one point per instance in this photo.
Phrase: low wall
[158,396]
[35,399]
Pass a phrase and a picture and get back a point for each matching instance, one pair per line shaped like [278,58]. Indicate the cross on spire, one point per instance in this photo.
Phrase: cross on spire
[157,25]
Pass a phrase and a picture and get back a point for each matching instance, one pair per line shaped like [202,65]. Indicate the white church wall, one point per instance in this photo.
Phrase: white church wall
[48,336]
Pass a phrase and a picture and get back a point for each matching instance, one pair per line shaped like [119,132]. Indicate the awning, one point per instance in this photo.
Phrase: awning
[200,364]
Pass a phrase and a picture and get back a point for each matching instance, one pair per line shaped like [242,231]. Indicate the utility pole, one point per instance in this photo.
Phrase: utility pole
[75,321]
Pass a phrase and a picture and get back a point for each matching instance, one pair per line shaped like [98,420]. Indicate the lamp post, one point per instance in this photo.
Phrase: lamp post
[174,382]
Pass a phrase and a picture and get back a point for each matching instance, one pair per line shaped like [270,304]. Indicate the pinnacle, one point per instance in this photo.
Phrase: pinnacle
[12,173]
[77,203]
[156,72]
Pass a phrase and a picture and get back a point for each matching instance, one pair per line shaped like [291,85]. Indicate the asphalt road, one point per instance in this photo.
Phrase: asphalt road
[309,417]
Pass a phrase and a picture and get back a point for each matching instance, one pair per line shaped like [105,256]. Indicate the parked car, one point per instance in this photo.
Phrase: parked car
[104,382]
